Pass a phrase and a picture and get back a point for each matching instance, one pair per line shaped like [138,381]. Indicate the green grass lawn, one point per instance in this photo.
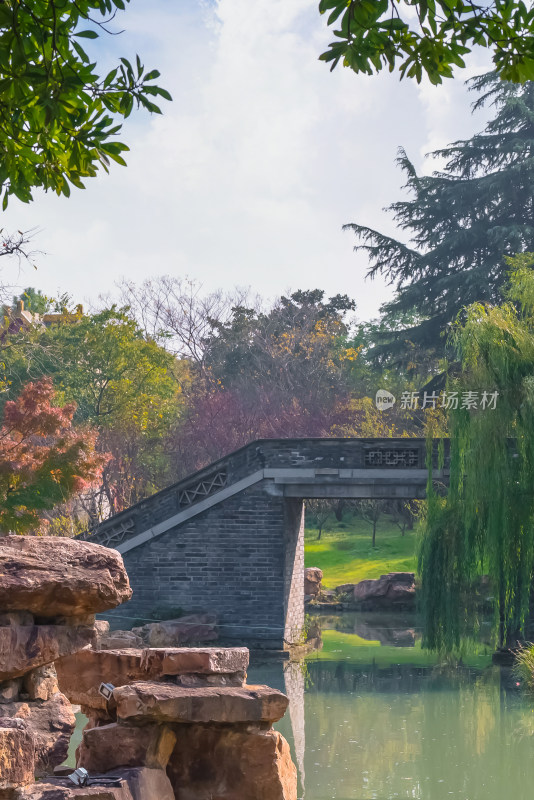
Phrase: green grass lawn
[345,555]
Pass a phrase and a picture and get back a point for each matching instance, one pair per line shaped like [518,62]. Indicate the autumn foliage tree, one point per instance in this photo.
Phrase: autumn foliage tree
[44,459]
[125,387]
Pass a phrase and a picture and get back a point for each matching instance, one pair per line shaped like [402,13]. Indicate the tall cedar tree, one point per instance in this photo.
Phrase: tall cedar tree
[462,221]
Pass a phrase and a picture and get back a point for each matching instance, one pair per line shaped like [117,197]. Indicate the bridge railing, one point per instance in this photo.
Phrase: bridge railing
[389,453]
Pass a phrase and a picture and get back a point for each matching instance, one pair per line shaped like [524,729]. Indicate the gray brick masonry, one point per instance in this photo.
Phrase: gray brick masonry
[242,560]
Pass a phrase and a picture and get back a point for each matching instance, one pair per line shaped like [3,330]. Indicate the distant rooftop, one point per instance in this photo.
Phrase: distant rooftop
[17,319]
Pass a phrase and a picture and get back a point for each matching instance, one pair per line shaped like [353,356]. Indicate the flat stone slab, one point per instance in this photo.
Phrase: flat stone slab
[59,789]
[80,674]
[147,784]
[25,647]
[159,661]
[139,783]
[164,702]
[51,576]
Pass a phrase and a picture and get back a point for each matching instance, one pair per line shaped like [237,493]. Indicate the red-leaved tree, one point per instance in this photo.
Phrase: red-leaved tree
[44,459]
[221,420]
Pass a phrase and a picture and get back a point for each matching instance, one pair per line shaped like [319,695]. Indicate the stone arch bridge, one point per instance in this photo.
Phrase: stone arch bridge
[230,538]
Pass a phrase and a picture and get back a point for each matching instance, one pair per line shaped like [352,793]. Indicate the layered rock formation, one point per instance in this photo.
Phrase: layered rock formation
[50,590]
[50,576]
[177,722]
[187,711]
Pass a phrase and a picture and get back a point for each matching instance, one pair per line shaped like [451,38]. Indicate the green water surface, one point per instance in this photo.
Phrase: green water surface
[372,720]
[372,716]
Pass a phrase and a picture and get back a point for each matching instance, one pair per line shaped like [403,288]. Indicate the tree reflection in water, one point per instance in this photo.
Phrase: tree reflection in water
[375,731]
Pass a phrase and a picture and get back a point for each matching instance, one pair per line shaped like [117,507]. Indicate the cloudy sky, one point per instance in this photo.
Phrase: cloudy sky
[250,173]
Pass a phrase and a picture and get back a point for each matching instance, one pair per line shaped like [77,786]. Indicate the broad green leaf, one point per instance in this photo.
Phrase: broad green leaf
[87,34]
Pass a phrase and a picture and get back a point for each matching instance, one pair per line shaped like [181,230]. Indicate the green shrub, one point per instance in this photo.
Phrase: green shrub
[524,666]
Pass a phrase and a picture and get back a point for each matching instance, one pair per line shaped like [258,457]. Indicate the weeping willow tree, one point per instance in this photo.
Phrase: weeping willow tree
[486,523]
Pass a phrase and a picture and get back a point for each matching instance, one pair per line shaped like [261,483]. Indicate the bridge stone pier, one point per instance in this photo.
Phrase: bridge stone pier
[230,538]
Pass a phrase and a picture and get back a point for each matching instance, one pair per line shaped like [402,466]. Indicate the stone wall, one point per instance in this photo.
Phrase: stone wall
[242,560]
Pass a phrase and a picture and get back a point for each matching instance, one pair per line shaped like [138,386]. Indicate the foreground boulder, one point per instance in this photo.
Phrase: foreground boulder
[138,783]
[109,746]
[224,666]
[232,764]
[25,647]
[80,675]
[41,683]
[51,576]
[64,790]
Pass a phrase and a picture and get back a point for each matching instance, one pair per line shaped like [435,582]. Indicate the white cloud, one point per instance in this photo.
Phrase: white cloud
[251,172]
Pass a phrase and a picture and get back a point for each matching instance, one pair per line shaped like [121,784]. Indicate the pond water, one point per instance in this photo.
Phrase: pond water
[369,719]
[374,717]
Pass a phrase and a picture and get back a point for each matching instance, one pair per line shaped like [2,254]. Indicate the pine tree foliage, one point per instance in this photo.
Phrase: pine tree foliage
[486,524]
[461,220]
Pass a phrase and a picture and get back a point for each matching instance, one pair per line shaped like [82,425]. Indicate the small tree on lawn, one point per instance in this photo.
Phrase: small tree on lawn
[322,510]
[370,511]
[404,514]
